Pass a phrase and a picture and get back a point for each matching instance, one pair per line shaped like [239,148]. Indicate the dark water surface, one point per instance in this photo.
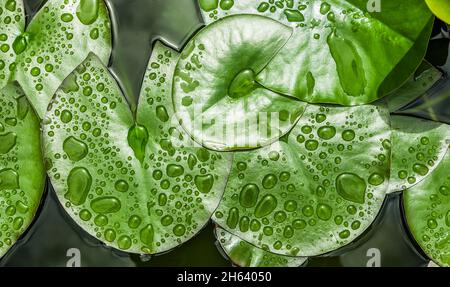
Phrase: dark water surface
[54,239]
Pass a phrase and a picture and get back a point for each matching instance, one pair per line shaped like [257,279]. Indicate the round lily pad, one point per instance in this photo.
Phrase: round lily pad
[243,254]
[133,184]
[216,95]
[59,37]
[427,208]
[12,23]
[315,190]
[418,146]
[22,173]
[345,52]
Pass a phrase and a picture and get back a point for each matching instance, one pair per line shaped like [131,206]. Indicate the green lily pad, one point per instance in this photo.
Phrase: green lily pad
[134,184]
[215,93]
[243,254]
[440,8]
[12,23]
[22,173]
[418,146]
[427,208]
[339,52]
[317,189]
[58,39]
[418,85]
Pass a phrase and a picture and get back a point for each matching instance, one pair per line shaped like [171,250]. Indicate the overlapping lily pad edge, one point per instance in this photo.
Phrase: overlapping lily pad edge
[427,149]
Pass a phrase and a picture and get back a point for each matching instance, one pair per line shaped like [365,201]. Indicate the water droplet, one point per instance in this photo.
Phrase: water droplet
[174,170]
[270,181]
[179,230]
[79,184]
[420,169]
[110,235]
[137,140]
[66,17]
[124,242]
[351,187]
[432,224]
[22,107]
[105,205]
[326,132]
[266,206]
[348,135]
[349,65]
[167,220]
[66,116]
[204,183]
[376,179]
[11,5]
[209,5]
[7,142]
[147,234]
[294,15]
[324,8]
[134,221]
[226,4]
[75,149]
[444,190]
[249,195]
[311,145]
[87,11]
[121,186]
[9,179]
[161,113]
[324,212]
[192,161]
[20,44]
[233,218]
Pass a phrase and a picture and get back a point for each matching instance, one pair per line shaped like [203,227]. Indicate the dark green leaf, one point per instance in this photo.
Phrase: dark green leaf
[22,174]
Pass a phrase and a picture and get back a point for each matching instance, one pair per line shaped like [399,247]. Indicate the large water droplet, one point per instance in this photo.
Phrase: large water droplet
[137,140]
[348,64]
[87,11]
[324,212]
[326,132]
[249,195]
[79,184]
[204,183]
[209,5]
[174,170]
[420,169]
[105,205]
[266,206]
[270,181]
[7,142]
[75,149]
[20,44]
[351,187]
[233,218]
[147,234]
[9,179]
